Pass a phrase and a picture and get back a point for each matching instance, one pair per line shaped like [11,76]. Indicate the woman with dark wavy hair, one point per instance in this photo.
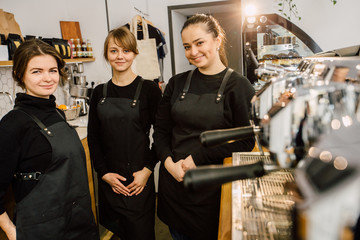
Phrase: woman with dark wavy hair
[42,156]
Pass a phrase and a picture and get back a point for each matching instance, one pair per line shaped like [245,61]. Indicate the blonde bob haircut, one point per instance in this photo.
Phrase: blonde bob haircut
[123,38]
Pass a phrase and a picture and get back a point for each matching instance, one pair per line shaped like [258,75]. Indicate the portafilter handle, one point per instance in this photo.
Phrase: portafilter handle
[221,136]
[215,175]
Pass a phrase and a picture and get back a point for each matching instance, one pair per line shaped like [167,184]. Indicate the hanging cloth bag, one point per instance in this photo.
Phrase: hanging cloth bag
[146,63]
[8,24]
[10,29]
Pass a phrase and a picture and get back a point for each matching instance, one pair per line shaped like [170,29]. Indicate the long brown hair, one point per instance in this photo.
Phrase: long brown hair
[29,49]
[213,27]
[122,37]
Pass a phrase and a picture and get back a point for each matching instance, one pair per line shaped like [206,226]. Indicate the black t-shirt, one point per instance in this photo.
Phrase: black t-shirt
[237,96]
[149,98]
[23,147]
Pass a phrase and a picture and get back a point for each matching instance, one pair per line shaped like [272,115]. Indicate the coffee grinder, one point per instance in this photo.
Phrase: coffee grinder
[78,89]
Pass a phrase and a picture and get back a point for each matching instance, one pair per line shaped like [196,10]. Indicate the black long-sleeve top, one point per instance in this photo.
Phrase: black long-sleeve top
[237,96]
[149,98]
[23,148]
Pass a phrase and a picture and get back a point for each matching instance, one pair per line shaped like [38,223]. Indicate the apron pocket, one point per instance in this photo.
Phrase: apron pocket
[82,219]
[33,219]
[50,225]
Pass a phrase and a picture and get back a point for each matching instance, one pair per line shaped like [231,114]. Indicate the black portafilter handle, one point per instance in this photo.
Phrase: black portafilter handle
[215,175]
[220,136]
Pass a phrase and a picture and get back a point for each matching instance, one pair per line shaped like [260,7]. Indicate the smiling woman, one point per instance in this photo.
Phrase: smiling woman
[119,57]
[204,44]
[30,53]
[212,96]
[121,114]
[41,154]
[41,76]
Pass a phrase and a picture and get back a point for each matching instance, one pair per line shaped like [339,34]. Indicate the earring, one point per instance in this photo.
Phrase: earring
[218,49]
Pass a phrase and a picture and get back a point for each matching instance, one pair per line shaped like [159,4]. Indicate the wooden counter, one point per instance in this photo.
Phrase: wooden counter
[82,132]
[225,208]
[90,177]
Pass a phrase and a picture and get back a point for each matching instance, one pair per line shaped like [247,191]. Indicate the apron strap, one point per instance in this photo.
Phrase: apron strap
[104,93]
[223,85]
[220,91]
[37,121]
[136,97]
[137,93]
[187,85]
[33,176]
[58,111]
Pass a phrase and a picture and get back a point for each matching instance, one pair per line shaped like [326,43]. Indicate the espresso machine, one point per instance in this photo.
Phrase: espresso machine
[310,130]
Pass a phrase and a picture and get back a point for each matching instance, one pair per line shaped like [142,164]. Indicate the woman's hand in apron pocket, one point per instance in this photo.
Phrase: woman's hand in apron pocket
[175,169]
[113,179]
[140,179]
[188,163]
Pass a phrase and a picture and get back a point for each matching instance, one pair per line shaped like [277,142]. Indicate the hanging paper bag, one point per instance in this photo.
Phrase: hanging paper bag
[146,63]
[11,30]
[8,24]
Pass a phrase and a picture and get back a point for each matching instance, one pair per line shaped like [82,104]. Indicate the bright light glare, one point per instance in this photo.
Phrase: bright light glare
[250,10]
[251,19]
[347,121]
[340,163]
[325,156]
[263,19]
[313,152]
[335,124]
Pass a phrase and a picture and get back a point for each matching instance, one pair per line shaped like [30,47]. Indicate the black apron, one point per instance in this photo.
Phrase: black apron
[194,214]
[59,206]
[128,217]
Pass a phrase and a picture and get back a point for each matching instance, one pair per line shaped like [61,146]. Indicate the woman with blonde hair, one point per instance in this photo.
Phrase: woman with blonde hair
[121,113]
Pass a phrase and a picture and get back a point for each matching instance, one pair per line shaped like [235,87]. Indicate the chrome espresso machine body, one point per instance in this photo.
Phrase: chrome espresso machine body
[313,109]
[307,120]
[309,167]
[304,104]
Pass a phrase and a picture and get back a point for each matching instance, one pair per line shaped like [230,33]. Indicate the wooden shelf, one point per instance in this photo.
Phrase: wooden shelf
[77,60]
[6,63]
[72,60]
